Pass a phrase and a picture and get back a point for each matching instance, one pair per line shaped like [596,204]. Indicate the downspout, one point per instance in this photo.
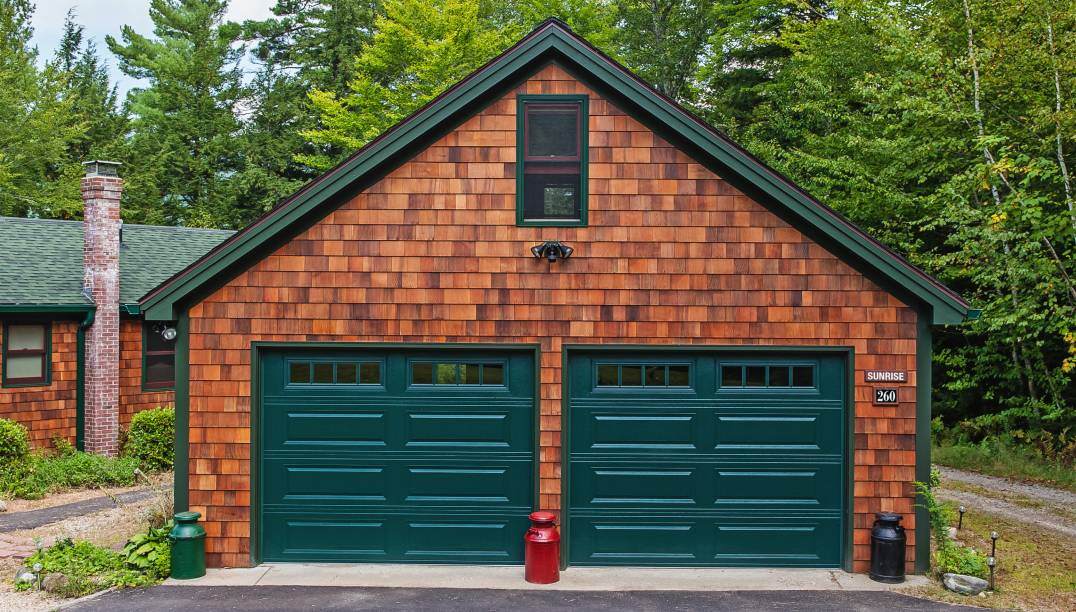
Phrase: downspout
[80,376]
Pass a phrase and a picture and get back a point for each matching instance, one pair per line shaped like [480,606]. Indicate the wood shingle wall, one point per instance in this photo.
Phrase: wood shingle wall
[431,253]
[132,398]
[48,411]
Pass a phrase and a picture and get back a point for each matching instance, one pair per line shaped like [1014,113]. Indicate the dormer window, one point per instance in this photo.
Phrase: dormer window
[552,160]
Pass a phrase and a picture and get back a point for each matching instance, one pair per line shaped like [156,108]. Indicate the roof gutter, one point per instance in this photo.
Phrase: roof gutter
[55,309]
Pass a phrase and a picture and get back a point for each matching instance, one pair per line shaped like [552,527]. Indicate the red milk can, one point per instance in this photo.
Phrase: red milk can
[542,554]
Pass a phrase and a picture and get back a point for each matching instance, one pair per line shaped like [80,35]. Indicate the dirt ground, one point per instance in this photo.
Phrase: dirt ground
[110,528]
[1036,567]
[70,497]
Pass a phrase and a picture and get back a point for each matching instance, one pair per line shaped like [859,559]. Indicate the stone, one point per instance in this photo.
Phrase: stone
[23,575]
[952,533]
[3,506]
[55,583]
[965,585]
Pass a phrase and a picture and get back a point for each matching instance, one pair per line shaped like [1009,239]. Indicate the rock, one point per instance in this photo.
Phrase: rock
[952,533]
[23,575]
[55,583]
[965,585]
[3,506]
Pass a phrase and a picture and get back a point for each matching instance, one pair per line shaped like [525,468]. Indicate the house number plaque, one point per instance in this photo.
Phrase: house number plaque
[885,396]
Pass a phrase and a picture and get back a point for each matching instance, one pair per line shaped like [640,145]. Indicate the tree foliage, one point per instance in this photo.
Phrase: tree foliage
[945,128]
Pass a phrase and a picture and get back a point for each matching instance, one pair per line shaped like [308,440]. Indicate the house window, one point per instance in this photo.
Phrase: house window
[552,160]
[334,372]
[661,376]
[767,376]
[455,373]
[26,354]
[159,355]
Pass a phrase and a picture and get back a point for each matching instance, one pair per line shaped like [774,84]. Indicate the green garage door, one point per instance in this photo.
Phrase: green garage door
[396,455]
[706,459]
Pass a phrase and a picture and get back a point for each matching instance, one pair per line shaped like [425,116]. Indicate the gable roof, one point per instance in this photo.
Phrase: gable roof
[41,259]
[554,41]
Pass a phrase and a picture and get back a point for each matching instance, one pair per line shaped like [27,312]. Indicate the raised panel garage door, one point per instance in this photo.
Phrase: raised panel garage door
[706,458]
[395,455]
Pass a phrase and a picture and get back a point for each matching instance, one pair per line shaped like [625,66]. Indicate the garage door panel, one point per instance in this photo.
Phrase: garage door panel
[404,470]
[373,537]
[643,541]
[640,430]
[723,542]
[459,429]
[746,541]
[785,485]
[664,478]
[808,430]
[325,429]
[636,485]
[298,483]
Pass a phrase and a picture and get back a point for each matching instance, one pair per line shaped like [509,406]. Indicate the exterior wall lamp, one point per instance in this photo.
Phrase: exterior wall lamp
[552,250]
[166,331]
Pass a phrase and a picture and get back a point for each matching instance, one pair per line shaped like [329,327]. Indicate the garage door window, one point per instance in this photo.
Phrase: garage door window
[457,373]
[334,373]
[618,375]
[767,376]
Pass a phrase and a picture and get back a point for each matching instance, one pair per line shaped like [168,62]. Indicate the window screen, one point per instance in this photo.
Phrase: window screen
[26,359]
[158,356]
[552,152]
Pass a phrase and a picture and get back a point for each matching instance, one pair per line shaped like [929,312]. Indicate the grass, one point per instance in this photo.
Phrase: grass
[1036,568]
[1007,462]
[40,474]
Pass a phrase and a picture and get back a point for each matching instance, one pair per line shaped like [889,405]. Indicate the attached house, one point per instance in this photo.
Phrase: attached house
[552,288]
[78,360]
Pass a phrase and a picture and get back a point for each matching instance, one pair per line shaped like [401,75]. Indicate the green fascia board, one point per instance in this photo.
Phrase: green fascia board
[551,40]
[47,309]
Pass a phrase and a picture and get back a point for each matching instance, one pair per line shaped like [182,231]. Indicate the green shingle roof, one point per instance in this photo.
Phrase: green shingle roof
[41,259]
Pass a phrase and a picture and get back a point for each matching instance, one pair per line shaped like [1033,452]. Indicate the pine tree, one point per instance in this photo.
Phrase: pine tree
[37,126]
[182,158]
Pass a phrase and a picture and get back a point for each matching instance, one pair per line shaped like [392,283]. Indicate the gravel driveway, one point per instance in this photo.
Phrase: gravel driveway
[1030,503]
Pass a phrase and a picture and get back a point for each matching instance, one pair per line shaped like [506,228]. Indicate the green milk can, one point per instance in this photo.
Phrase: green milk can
[188,547]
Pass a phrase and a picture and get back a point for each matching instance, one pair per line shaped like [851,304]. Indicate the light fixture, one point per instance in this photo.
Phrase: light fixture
[165,331]
[991,562]
[960,523]
[552,250]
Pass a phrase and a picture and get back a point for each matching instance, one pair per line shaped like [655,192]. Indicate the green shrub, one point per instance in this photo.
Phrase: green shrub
[89,568]
[151,438]
[63,447]
[14,441]
[948,557]
[151,552]
[961,560]
[40,475]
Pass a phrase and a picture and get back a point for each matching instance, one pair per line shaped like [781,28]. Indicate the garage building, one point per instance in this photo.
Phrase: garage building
[552,288]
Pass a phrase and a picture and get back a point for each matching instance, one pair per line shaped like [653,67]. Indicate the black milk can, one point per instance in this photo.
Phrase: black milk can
[887,548]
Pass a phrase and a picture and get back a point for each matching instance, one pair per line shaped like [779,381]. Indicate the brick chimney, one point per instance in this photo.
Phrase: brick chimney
[101,189]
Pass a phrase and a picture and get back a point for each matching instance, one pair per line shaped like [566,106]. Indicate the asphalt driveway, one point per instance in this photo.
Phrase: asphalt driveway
[269,598]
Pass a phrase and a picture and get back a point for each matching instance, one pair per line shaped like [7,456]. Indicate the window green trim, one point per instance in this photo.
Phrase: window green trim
[584,156]
[46,360]
[147,385]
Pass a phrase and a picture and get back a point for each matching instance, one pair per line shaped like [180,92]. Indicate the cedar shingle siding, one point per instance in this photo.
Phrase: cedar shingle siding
[132,398]
[48,411]
[431,253]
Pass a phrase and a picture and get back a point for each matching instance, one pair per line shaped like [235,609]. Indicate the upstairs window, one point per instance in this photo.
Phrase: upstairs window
[26,354]
[159,356]
[552,160]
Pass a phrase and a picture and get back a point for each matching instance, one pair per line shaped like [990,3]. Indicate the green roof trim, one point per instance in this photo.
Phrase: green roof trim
[41,261]
[552,41]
